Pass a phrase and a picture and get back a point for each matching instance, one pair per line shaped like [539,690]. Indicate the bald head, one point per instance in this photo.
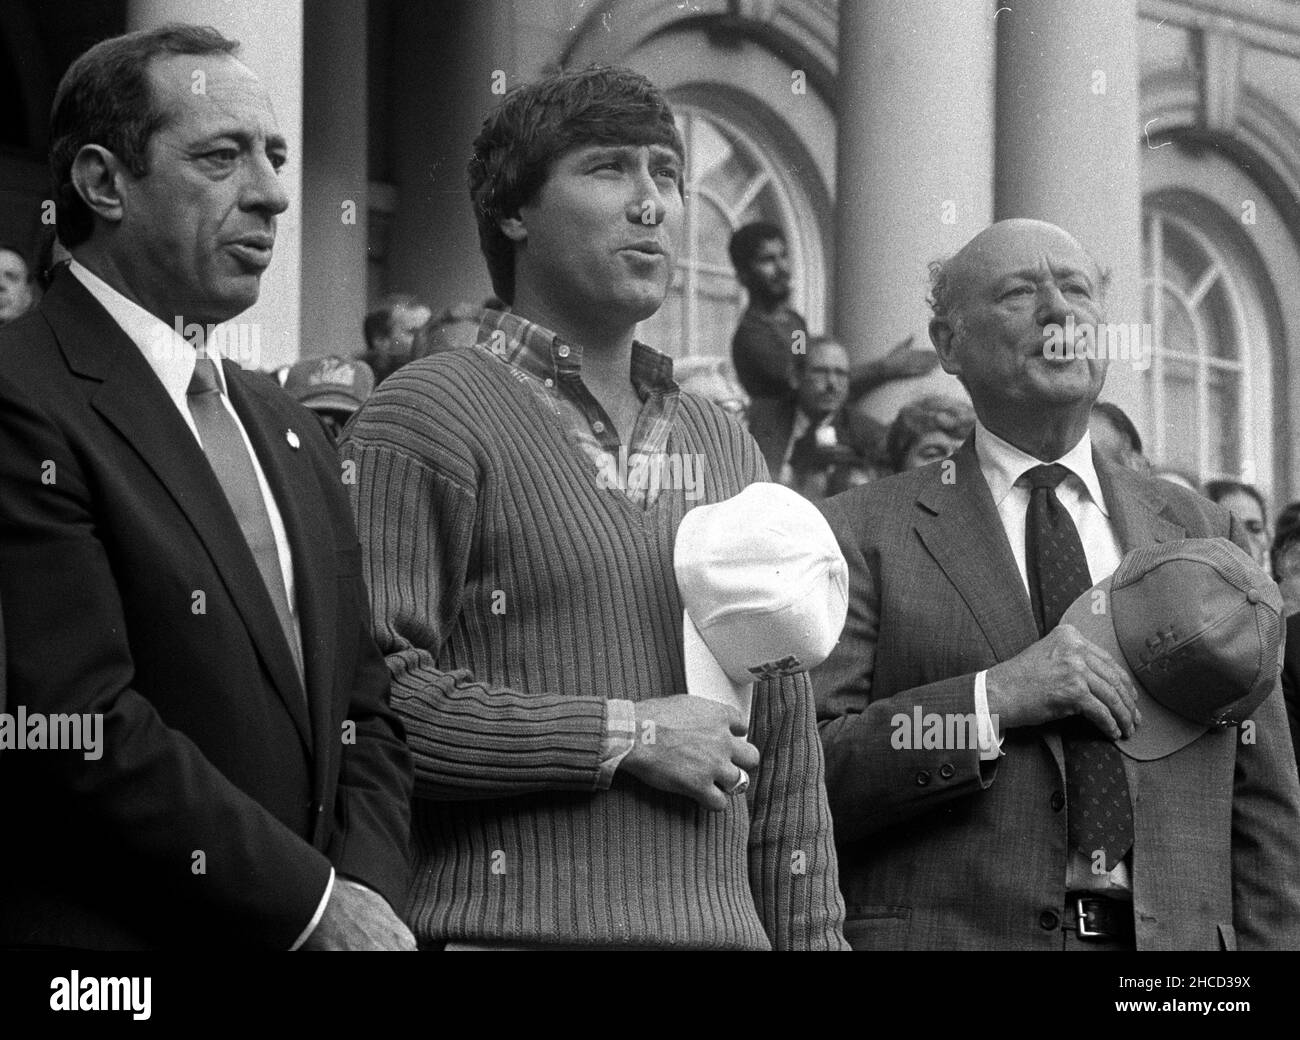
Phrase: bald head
[996,304]
[950,279]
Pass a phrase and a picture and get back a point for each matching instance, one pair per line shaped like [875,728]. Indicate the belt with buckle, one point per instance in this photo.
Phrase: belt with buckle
[1099,918]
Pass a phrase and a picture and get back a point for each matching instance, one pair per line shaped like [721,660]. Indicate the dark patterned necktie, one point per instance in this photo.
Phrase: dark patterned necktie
[1101,815]
[224,446]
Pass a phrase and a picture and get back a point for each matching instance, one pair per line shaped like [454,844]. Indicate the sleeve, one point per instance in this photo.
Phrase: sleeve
[373,804]
[793,870]
[1265,826]
[468,740]
[152,792]
[878,770]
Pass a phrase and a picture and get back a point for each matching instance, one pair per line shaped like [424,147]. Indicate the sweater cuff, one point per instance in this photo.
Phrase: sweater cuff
[620,736]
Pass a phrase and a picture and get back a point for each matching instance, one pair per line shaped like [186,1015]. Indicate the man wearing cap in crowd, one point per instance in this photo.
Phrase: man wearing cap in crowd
[331,387]
[1064,810]
[578,782]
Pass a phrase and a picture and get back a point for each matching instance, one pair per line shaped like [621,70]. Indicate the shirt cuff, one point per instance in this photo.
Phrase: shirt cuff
[620,737]
[320,912]
[985,724]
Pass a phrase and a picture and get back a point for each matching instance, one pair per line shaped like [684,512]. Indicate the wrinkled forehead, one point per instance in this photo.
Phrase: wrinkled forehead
[1027,247]
[210,93]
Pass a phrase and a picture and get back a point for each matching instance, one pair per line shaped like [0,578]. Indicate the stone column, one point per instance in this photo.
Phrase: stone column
[915,167]
[1068,133]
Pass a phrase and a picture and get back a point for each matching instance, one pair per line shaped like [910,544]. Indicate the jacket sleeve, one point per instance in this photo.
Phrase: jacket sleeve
[373,805]
[1265,826]
[878,771]
[152,791]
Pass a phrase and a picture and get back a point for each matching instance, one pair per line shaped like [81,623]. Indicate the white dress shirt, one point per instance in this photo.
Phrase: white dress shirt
[172,358]
[1004,467]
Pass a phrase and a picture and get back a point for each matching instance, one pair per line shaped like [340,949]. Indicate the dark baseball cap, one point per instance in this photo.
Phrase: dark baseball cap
[330,384]
[1200,630]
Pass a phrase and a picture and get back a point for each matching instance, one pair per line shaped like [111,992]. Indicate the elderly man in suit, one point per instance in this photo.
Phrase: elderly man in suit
[178,558]
[958,573]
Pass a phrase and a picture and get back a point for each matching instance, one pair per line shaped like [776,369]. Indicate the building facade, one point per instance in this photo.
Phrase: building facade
[881,133]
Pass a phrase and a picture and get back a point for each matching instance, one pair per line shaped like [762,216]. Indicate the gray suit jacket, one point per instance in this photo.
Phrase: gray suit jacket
[941,851]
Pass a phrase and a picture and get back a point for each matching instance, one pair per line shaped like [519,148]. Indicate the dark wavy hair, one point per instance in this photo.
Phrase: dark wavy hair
[534,125]
[105,98]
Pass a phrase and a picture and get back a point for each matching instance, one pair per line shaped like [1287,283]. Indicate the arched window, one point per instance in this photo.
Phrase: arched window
[1209,387]
[729,182]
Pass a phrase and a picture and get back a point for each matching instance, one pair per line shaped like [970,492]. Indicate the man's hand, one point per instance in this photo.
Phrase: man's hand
[691,746]
[1063,674]
[357,918]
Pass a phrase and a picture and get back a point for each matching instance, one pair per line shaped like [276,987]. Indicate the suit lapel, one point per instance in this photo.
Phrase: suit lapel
[961,529]
[294,485]
[1136,508]
[133,401]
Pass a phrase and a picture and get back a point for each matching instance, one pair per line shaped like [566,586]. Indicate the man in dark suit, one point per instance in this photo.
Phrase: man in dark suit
[804,434]
[1024,827]
[178,558]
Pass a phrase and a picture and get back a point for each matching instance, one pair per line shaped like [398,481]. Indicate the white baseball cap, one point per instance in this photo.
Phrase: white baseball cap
[765,591]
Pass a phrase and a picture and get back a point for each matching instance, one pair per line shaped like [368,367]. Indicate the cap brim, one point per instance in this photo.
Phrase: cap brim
[1162,731]
[705,677]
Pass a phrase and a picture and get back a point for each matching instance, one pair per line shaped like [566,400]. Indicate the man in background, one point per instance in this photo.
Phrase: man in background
[395,332]
[16,294]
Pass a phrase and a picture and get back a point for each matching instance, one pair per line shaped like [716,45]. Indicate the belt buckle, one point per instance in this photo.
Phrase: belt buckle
[1081,922]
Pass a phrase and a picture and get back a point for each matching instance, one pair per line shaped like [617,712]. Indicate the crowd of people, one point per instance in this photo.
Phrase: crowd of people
[527,645]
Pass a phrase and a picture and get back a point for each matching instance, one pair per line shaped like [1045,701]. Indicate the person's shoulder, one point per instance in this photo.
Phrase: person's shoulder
[1190,509]
[26,344]
[880,506]
[434,407]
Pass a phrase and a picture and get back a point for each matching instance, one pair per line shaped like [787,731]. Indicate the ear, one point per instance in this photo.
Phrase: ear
[941,335]
[513,228]
[97,176]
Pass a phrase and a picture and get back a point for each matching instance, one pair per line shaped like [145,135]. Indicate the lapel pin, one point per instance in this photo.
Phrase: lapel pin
[292,438]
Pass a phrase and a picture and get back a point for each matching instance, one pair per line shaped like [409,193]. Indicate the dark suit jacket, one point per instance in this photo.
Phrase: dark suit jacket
[939,851]
[771,421]
[1291,679]
[223,794]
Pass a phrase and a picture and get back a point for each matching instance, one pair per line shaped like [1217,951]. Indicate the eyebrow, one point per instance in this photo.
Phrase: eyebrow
[1032,274]
[274,142]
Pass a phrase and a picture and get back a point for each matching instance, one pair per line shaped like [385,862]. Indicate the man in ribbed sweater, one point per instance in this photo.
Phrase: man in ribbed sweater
[518,504]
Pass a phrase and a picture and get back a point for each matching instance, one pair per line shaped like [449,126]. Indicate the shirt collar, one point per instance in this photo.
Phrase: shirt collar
[543,354]
[1002,464]
[169,354]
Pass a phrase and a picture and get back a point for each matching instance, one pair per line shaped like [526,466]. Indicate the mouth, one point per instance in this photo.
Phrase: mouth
[253,250]
[644,248]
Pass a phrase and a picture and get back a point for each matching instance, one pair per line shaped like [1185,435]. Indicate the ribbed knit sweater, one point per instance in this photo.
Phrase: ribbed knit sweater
[512,596]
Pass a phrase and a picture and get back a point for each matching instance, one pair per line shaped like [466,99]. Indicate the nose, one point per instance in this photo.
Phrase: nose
[645,206]
[264,190]
[1052,305]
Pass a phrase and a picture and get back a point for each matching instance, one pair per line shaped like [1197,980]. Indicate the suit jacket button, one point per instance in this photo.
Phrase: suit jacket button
[1058,801]
[1049,920]
[922,777]
[946,771]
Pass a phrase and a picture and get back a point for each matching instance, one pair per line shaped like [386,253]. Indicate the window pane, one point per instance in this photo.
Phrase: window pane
[1225,405]
[1178,333]
[1182,421]
[1216,314]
